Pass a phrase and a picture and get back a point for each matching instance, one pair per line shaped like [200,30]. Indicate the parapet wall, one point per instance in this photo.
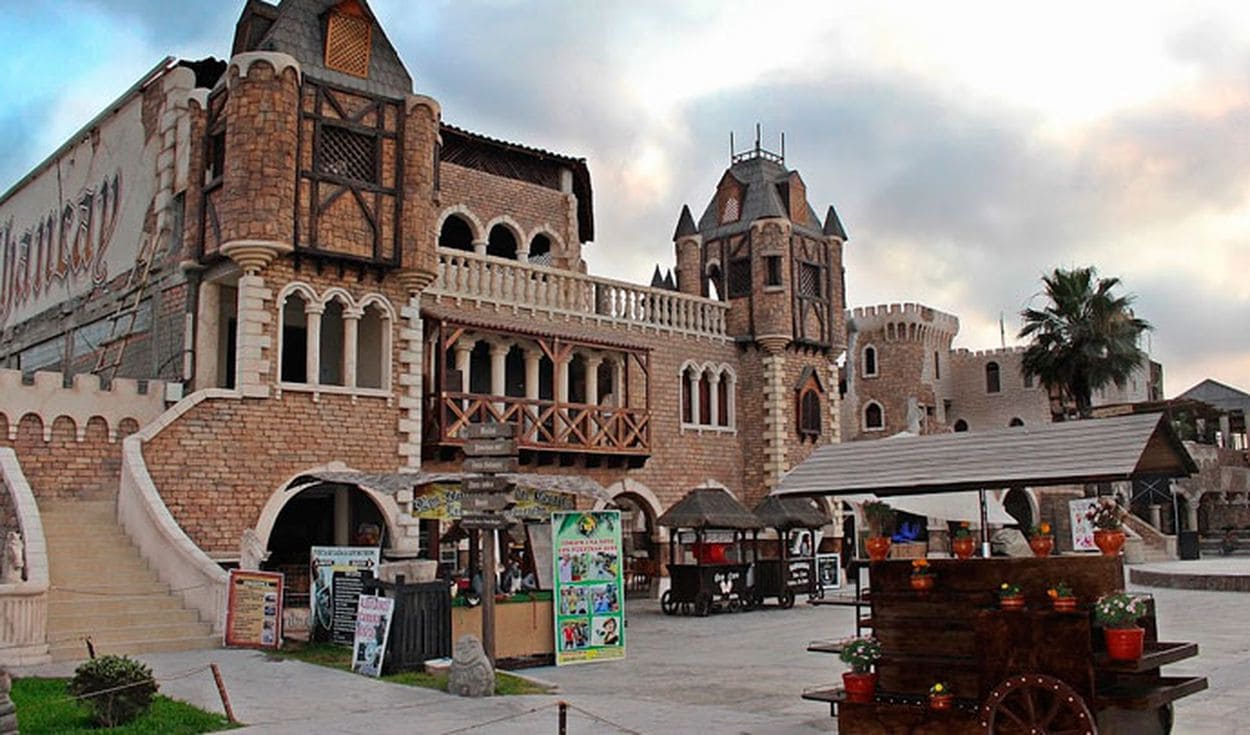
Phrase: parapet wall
[964,352]
[46,398]
[912,321]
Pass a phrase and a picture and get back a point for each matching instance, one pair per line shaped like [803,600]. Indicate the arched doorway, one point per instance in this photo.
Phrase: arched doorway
[1019,505]
[641,549]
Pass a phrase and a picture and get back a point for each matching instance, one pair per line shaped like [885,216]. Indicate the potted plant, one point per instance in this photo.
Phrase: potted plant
[1010,596]
[922,576]
[860,653]
[1062,597]
[963,545]
[1118,614]
[940,696]
[1041,540]
[879,516]
[1105,517]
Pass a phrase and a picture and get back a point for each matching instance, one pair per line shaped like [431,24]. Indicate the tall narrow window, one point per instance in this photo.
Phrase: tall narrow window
[809,415]
[372,348]
[870,361]
[993,383]
[687,400]
[809,281]
[294,340]
[774,270]
[937,367]
[739,277]
[332,344]
[874,417]
[722,399]
[705,399]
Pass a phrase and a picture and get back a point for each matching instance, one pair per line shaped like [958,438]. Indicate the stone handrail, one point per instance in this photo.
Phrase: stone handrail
[163,544]
[501,281]
[24,605]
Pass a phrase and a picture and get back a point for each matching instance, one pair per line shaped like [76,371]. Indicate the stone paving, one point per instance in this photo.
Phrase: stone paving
[740,673]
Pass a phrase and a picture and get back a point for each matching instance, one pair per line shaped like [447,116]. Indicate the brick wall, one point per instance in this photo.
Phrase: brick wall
[531,206]
[64,467]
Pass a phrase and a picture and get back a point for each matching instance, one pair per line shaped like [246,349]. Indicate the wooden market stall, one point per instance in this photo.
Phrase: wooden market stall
[1011,671]
[785,576]
[720,576]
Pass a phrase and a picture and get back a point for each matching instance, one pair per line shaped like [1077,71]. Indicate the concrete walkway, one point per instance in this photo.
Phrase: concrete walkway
[738,673]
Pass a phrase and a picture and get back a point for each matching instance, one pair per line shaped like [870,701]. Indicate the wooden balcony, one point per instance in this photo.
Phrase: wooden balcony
[542,425]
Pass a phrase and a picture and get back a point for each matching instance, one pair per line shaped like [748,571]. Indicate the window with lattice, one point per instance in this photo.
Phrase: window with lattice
[739,277]
[349,39]
[348,154]
[809,281]
[730,212]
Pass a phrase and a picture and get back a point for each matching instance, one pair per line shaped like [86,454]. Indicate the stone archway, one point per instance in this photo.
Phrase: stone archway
[1021,504]
[644,541]
[388,510]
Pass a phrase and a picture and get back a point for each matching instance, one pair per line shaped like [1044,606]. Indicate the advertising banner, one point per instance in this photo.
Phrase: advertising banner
[1082,529]
[445,502]
[254,609]
[373,628]
[353,564]
[589,599]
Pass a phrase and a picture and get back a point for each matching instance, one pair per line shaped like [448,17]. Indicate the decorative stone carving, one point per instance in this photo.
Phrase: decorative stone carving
[8,711]
[472,674]
[14,559]
[251,551]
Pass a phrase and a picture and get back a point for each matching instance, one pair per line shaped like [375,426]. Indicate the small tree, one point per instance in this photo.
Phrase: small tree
[117,688]
[1085,339]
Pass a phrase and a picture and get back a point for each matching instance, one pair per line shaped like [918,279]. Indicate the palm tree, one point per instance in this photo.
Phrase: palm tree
[1085,339]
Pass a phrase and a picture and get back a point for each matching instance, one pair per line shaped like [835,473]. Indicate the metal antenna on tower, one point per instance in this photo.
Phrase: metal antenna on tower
[783,148]
[757,138]
[731,146]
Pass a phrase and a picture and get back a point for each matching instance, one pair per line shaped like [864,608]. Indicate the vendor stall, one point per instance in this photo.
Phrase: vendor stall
[709,527]
[787,574]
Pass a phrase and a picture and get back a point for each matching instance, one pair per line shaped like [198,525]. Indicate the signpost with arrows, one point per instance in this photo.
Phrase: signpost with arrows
[489,449]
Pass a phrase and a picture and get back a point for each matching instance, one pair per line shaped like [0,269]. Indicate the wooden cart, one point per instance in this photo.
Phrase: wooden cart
[702,589]
[786,576]
[714,582]
[1029,671]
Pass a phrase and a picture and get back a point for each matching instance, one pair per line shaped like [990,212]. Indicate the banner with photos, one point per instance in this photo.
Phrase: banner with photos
[589,599]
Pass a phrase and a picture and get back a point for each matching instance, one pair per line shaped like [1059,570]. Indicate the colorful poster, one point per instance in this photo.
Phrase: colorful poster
[254,609]
[444,502]
[1082,529]
[373,628]
[589,599]
[323,562]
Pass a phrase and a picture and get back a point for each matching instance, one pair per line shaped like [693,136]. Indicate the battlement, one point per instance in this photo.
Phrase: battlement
[966,353]
[45,396]
[910,320]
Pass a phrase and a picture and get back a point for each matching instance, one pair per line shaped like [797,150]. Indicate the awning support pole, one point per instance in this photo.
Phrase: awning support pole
[985,526]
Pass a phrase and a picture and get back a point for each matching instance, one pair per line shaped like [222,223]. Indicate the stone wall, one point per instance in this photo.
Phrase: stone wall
[985,411]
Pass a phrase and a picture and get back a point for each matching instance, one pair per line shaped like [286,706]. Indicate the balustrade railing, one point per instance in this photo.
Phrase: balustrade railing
[500,281]
[542,424]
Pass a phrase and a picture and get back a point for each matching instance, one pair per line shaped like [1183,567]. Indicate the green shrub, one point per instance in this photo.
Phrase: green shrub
[116,688]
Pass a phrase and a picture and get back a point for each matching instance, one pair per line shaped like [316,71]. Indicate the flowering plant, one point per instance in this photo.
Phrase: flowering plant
[1040,530]
[1060,589]
[920,568]
[879,515]
[1105,515]
[1009,589]
[940,689]
[962,530]
[861,652]
[1119,610]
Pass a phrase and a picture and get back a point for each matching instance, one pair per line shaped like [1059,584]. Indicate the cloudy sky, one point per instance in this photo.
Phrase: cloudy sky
[968,147]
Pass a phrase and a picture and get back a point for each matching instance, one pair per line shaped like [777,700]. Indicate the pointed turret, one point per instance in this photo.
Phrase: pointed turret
[669,282]
[685,224]
[833,225]
[657,278]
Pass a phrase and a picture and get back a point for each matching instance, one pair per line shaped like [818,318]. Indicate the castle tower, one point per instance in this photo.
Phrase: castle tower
[760,246]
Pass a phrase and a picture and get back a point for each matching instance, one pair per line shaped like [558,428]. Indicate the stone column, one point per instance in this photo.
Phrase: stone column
[592,379]
[464,364]
[479,247]
[351,331]
[1156,516]
[775,402]
[312,350]
[562,397]
[713,397]
[498,373]
[694,398]
[618,380]
[1191,513]
[252,342]
[532,360]
[407,542]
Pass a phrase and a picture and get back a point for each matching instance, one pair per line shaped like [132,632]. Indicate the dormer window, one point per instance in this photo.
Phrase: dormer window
[349,39]
[730,212]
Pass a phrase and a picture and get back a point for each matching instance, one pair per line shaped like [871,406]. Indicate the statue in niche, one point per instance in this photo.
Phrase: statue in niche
[11,572]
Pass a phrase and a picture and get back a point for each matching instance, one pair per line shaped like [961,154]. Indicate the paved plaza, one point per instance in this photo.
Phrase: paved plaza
[739,673]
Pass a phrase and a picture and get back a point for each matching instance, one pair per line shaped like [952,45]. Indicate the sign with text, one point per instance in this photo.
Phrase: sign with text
[486,485]
[484,522]
[1082,529]
[491,465]
[254,609]
[484,502]
[490,447]
[589,601]
[799,574]
[373,627]
[489,431]
[324,562]
[829,571]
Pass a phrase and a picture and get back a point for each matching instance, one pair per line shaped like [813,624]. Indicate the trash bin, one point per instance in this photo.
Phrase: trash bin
[420,625]
[1187,545]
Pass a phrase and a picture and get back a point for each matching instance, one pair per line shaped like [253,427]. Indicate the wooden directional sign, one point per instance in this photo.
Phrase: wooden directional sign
[483,522]
[490,465]
[472,503]
[489,431]
[486,485]
[490,448]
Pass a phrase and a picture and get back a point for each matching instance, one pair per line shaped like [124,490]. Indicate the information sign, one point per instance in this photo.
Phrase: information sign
[254,609]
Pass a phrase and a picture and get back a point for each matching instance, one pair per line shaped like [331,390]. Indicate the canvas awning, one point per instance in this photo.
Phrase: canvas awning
[964,505]
[1091,450]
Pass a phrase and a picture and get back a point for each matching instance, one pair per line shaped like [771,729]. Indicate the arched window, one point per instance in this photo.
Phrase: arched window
[294,360]
[456,234]
[992,382]
[332,344]
[870,361]
[502,243]
[373,347]
[687,398]
[724,397]
[874,417]
[1017,421]
[713,283]
[807,408]
[540,249]
[705,399]
[961,425]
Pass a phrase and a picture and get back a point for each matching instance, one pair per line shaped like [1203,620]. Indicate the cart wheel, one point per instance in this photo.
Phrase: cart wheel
[703,605]
[735,605]
[786,600]
[1035,703]
[666,603]
[819,594]
[685,608]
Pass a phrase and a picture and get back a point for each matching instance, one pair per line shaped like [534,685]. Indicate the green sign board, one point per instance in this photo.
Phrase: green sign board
[589,600]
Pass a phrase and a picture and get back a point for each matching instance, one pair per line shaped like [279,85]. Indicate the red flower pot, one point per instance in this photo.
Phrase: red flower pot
[1042,545]
[878,547]
[859,687]
[1124,644]
[940,701]
[963,547]
[923,582]
[1011,603]
[1065,604]
[1109,542]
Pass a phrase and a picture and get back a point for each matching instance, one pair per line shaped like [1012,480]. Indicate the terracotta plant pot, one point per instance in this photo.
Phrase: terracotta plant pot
[878,547]
[940,701]
[923,582]
[1065,604]
[859,687]
[1042,545]
[963,547]
[1109,542]
[1011,603]
[1124,644]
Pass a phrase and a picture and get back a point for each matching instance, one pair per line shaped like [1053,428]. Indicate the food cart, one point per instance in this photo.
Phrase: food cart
[1031,670]
[720,576]
[785,576]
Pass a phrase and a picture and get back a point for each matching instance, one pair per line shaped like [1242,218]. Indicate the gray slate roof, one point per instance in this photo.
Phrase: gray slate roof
[784,513]
[1093,450]
[1224,397]
[709,508]
[761,177]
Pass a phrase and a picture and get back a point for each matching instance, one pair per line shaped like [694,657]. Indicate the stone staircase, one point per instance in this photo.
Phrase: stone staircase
[102,588]
[1148,545]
